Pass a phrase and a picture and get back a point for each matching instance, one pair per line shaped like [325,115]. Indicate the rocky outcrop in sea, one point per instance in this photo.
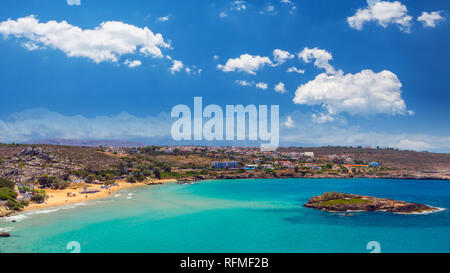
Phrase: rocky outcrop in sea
[342,202]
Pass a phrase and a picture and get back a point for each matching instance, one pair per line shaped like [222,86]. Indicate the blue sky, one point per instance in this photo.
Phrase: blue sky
[56,83]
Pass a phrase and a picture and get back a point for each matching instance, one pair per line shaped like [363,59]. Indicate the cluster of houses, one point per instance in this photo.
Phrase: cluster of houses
[226,158]
[116,150]
[291,160]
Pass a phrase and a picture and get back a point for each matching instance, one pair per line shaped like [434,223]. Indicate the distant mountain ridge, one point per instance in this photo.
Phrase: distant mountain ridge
[88,143]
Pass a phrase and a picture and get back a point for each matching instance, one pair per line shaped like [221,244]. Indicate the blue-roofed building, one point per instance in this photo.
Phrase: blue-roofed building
[374,164]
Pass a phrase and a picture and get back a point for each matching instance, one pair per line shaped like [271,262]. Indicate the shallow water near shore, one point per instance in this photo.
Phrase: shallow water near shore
[261,215]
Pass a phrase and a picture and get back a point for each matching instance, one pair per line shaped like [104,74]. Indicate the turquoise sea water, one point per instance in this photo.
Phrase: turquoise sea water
[236,216]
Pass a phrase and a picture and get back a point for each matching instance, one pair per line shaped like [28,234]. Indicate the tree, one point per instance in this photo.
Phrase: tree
[296,168]
[167,168]
[38,196]
[157,173]
[109,182]
[46,181]
[131,179]
[60,184]
[146,173]
[91,178]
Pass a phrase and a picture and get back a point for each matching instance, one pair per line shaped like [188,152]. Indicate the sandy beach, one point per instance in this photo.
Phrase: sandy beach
[60,197]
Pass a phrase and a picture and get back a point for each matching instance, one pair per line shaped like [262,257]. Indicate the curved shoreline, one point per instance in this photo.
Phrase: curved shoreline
[59,198]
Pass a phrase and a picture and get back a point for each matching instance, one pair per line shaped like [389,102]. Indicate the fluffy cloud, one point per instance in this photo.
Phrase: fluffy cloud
[73,2]
[268,9]
[261,85]
[245,63]
[280,88]
[289,123]
[384,13]
[176,66]
[238,5]
[193,70]
[132,64]
[430,19]
[363,93]
[243,83]
[296,70]
[322,118]
[164,18]
[281,56]
[321,58]
[107,42]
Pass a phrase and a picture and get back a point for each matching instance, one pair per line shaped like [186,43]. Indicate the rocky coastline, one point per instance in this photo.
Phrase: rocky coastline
[282,175]
[4,211]
[343,202]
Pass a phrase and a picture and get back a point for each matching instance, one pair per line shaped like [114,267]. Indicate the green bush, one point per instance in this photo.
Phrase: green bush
[7,193]
[91,178]
[46,181]
[146,173]
[131,179]
[60,184]
[6,183]
[157,173]
[109,182]
[38,196]
[16,205]
[331,196]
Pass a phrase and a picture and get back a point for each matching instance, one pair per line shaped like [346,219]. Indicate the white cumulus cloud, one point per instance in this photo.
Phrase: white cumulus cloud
[430,19]
[289,123]
[280,88]
[243,83]
[322,118]
[238,5]
[245,63]
[321,58]
[363,93]
[132,64]
[269,9]
[176,66]
[281,56]
[382,12]
[296,70]
[107,42]
[261,85]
